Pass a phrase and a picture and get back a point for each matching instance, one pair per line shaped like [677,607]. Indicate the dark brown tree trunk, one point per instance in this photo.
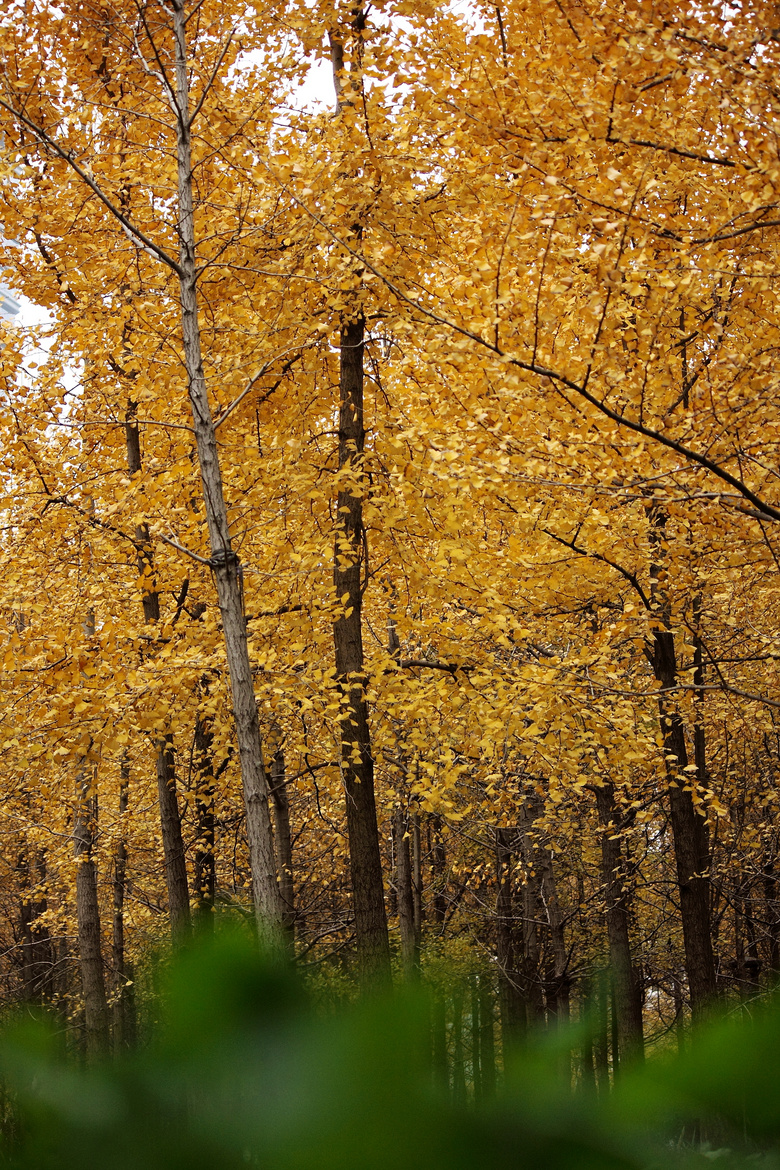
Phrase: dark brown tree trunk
[438,854]
[542,915]
[558,982]
[417,887]
[691,839]
[173,844]
[679,1012]
[404,884]
[601,1039]
[170,818]
[532,946]
[628,1002]
[283,841]
[405,831]
[587,1018]
[356,758]
[205,871]
[123,990]
[747,965]
[772,903]
[689,826]
[511,1000]
[37,949]
[88,918]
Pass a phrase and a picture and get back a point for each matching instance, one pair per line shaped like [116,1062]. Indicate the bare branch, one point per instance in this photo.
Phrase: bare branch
[423,663]
[211,80]
[583,552]
[767,511]
[713,159]
[751,227]
[67,156]
[218,421]
[180,548]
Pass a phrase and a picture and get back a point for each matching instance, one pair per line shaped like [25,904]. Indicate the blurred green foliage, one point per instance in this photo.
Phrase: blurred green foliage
[243,1071]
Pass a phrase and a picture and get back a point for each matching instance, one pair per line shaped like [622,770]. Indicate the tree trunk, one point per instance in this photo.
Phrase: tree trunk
[173,843]
[587,1018]
[558,981]
[679,1014]
[123,991]
[689,827]
[88,919]
[406,847]
[601,1040]
[283,841]
[772,913]
[438,854]
[356,759]
[628,1004]
[410,943]
[170,818]
[508,942]
[541,894]
[224,561]
[205,862]
[37,949]
[691,839]
[417,887]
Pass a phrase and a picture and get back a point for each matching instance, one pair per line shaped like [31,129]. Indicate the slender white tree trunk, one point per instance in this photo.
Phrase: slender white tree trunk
[224,561]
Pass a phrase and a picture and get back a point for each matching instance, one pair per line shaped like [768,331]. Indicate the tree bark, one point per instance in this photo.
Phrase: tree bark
[170,817]
[173,843]
[410,942]
[689,827]
[283,841]
[37,949]
[772,913]
[438,854]
[601,1039]
[224,561]
[406,846]
[691,839]
[88,919]
[628,1004]
[558,981]
[541,899]
[205,863]
[356,758]
[123,991]
[417,887]
[509,943]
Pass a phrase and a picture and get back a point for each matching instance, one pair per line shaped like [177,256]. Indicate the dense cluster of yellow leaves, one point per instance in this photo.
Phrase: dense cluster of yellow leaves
[567,264]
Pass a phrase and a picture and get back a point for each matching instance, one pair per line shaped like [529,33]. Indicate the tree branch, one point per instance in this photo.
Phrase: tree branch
[767,511]
[135,233]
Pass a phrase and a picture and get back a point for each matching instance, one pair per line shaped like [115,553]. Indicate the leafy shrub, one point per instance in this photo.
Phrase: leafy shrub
[243,1071]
